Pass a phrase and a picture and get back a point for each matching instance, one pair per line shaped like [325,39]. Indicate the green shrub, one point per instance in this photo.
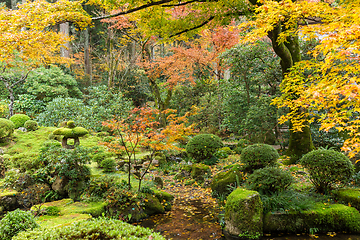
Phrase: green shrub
[96,228]
[327,169]
[19,120]
[108,165]
[269,180]
[31,125]
[99,157]
[258,156]
[15,222]
[97,188]
[6,128]
[68,163]
[203,146]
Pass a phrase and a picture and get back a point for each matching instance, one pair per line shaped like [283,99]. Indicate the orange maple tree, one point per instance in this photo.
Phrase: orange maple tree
[141,129]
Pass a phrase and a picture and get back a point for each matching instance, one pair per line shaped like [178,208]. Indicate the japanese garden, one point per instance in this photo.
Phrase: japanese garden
[179,119]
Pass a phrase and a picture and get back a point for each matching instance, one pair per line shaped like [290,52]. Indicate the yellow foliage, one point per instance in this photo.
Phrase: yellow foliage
[27,33]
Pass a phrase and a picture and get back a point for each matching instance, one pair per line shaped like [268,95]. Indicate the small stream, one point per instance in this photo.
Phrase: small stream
[195,220]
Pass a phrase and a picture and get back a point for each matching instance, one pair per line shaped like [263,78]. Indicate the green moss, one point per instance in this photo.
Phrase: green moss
[324,217]
[61,221]
[19,120]
[161,195]
[68,207]
[5,193]
[71,132]
[334,217]
[152,205]
[222,181]
[349,197]
[244,213]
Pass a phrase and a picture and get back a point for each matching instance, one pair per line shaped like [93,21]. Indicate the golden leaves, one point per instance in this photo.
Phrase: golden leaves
[27,32]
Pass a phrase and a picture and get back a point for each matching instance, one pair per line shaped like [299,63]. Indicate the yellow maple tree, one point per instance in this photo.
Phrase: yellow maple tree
[327,85]
[28,38]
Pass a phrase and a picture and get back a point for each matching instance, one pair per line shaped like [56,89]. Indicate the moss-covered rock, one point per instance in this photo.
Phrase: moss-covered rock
[324,217]
[222,181]
[349,197]
[164,198]
[200,171]
[152,205]
[244,214]
[71,132]
[8,200]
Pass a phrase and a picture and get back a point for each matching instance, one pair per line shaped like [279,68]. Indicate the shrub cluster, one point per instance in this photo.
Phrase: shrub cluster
[258,156]
[327,168]
[269,180]
[96,228]
[19,120]
[15,222]
[203,146]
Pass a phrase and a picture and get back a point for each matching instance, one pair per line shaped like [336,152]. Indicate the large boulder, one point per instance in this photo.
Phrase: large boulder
[244,214]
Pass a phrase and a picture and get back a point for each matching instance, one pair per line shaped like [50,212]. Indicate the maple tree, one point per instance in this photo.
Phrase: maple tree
[190,61]
[141,129]
[27,39]
[328,84]
[167,18]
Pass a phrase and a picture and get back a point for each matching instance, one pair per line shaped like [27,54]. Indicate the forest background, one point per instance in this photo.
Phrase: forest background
[90,61]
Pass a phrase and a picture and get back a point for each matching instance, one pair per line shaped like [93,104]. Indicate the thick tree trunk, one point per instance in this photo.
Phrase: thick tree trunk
[300,143]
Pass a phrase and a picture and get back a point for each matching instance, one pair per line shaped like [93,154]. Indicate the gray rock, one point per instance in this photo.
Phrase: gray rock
[22,129]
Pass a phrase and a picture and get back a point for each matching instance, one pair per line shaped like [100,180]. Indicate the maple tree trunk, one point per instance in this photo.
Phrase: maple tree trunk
[300,143]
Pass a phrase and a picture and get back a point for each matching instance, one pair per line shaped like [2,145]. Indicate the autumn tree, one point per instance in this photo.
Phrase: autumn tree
[141,129]
[27,40]
[327,84]
[169,18]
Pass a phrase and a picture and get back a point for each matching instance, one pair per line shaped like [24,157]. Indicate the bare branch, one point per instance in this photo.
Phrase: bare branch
[23,78]
[193,28]
[180,4]
[151,4]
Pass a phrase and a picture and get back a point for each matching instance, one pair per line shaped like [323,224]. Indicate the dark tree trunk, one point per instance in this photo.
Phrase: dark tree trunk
[300,143]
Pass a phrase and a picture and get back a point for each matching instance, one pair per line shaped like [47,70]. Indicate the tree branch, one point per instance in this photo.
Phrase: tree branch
[151,4]
[20,80]
[193,28]
[181,4]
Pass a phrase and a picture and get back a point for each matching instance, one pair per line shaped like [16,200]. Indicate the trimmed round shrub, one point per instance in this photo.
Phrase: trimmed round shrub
[19,120]
[15,222]
[96,228]
[203,146]
[258,156]
[6,128]
[31,125]
[269,180]
[108,165]
[327,168]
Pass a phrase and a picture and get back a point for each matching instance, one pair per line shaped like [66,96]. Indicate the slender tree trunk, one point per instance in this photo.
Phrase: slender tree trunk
[87,59]
[300,143]
[65,51]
